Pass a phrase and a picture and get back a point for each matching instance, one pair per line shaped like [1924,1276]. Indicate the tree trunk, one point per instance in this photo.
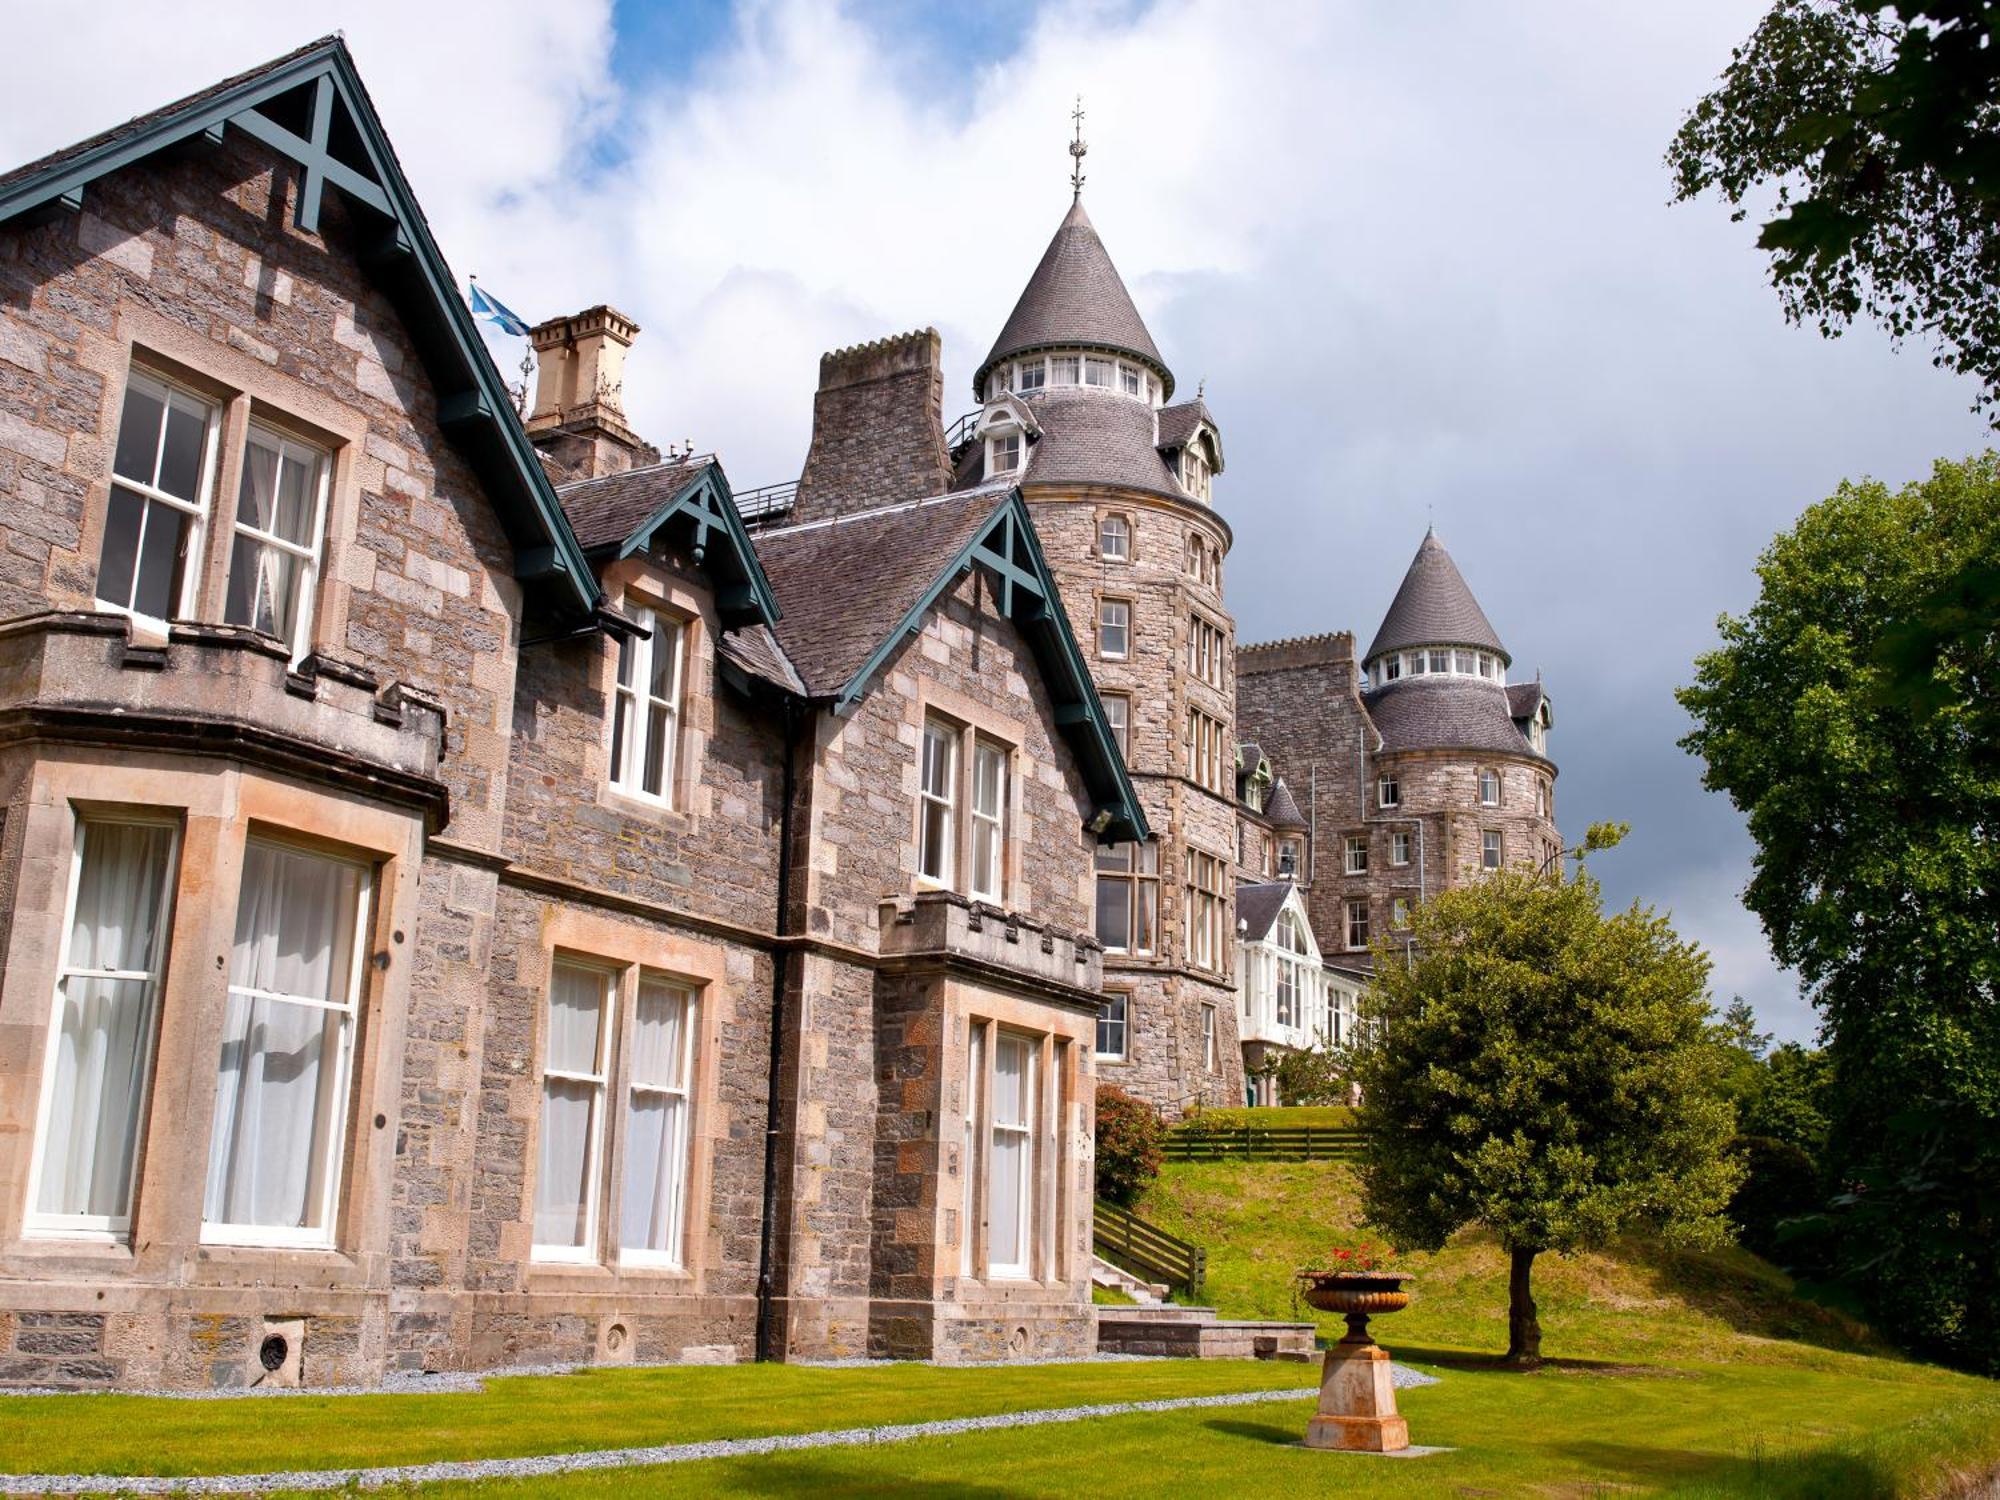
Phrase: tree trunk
[1524,1329]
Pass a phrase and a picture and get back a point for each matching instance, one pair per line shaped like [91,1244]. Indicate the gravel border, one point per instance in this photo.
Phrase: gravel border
[608,1458]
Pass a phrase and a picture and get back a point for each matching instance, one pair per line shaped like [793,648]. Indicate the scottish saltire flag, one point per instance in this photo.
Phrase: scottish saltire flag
[497,312]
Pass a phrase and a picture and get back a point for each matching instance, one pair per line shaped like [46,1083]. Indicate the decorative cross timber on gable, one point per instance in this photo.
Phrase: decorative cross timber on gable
[997,550]
[319,165]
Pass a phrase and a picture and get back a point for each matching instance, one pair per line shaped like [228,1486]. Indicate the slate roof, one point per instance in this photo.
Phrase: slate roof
[1258,905]
[1176,424]
[1445,713]
[604,511]
[844,584]
[1434,607]
[1095,437]
[756,651]
[1283,809]
[138,125]
[1075,299]
[1523,698]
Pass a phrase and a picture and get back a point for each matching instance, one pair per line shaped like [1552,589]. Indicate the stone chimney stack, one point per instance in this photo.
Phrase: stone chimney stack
[878,428]
[578,419]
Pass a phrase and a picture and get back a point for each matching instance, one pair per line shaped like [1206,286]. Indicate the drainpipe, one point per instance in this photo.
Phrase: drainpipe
[780,967]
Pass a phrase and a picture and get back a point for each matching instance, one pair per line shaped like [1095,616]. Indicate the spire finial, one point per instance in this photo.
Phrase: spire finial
[1077,147]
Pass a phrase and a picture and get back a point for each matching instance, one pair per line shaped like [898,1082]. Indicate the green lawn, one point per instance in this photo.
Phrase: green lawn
[1693,1376]
[1290,1117]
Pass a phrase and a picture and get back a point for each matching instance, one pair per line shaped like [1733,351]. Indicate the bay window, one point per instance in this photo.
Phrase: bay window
[295,976]
[101,1040]
[162,472]
[1010,1187]
[646,704]
[989,820]
[280,517]
[937,827]
[654,1213]
[572,1118]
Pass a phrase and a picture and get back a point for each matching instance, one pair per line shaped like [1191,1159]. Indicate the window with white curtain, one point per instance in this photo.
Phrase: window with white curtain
[937,826]
[646,711]
[1010,1174]
[162,470]
[657,1119]
[96,1084]
[989,821]
[287,1046]
[280,517]
[572,1127]
[975,1090]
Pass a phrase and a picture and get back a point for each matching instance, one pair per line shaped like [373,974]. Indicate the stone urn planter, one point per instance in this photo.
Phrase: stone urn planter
[1357,1396]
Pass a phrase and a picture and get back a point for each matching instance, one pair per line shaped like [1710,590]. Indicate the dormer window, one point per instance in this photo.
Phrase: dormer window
[1003,454]
[1194,474]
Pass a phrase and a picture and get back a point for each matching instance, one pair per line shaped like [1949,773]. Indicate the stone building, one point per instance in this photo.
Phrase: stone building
[1426,772]
[464,899]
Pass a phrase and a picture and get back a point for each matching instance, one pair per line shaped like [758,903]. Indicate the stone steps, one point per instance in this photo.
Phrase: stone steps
[1145,1293]
[1196,1333]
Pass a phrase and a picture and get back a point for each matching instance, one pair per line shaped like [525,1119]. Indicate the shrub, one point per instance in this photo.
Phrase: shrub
[1780,1182]
[1128,1146]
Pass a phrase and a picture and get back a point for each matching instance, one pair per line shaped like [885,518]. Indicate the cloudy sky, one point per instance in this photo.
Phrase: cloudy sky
[1421,257]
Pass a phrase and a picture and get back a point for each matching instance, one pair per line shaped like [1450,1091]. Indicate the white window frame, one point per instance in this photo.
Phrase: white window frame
[1210,1054]
[1492,848]
[585,1253]
[1122,553]
[1024,1268]
[1489,787]
[290,450]
[989,875]
[109,1228]
[972,1168]
[1005,453]
[1123,625]
[675,1257]
[1040,370]
[1097,364]
[1399,914]
[1355,913]
[1122,1023]
[1355,857]
[334,1146]
[632,704]
[1130,381]
[1399,847]
[1388,790]
[167,393]
[1118,718]
[1295,846]
[947,734]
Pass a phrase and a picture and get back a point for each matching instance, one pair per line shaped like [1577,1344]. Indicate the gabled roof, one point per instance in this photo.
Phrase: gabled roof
[310,107]
[856,587]
[1177,425]
[1523,698]
[1434,607]
[1258,905]
[1090,437]
[620,515]
[1075,300]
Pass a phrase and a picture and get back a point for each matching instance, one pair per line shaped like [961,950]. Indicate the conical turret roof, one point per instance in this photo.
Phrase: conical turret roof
[1075,299]
[1434,607]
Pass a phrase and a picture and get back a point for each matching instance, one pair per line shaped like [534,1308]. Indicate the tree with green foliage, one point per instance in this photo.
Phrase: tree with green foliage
[1873,131]
[1546,1071]
[1872,792]
[1310,1075]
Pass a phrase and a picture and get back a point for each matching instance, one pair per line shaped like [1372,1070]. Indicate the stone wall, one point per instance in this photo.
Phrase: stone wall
[1164,1060]
[878,428]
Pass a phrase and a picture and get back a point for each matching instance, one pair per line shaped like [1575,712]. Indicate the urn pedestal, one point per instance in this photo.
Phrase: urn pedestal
[1357,1395]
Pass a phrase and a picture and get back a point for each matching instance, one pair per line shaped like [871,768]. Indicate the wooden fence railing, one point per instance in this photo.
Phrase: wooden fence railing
[1262,1143]
[1130,1243]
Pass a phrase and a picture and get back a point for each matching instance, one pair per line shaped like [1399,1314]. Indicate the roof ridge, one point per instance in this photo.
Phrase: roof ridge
[666,463]
[992,487]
